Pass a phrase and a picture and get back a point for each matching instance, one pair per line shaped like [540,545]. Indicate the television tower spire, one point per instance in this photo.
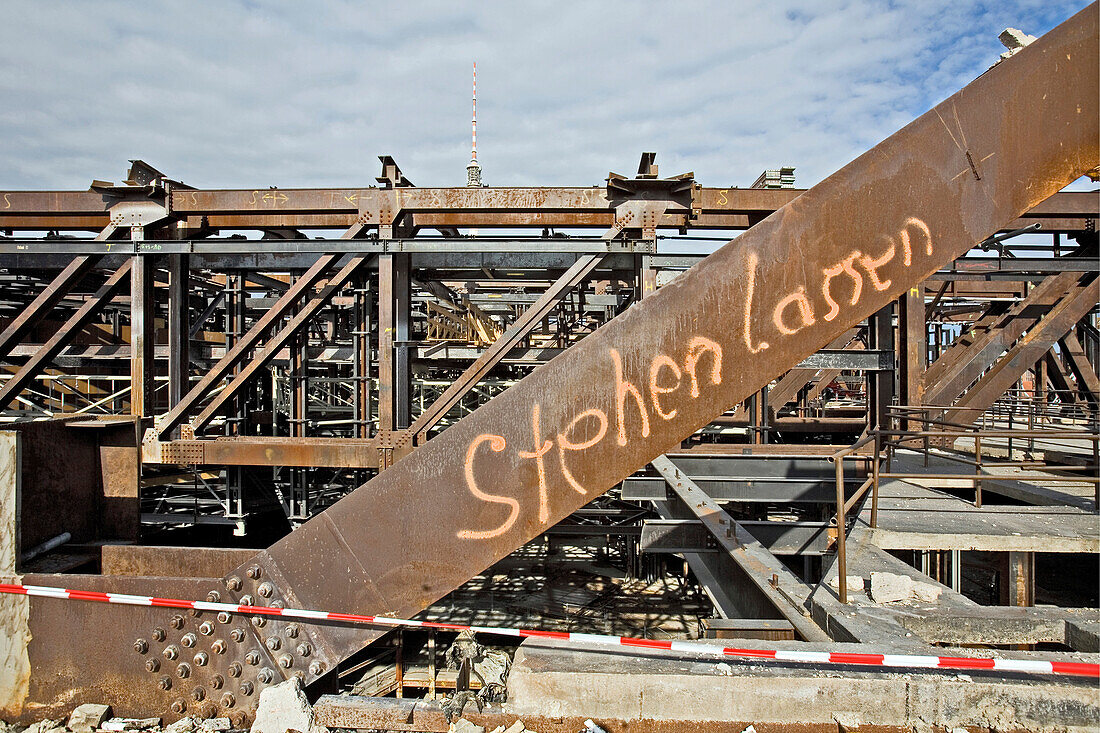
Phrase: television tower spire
[473,170]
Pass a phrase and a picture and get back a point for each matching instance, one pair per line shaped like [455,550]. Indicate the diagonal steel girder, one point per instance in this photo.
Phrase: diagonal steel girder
[41,306]
[579,424]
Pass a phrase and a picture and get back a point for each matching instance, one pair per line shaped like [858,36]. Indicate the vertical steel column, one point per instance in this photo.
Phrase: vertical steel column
[394,374]
[912,347]
[361,363]
[880,384]
[141,336]
[179,328]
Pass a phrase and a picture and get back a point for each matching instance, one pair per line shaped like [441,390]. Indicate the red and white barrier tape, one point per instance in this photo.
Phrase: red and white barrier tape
[908,661]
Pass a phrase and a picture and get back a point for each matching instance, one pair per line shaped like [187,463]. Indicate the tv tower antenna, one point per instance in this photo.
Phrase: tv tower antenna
[473,170]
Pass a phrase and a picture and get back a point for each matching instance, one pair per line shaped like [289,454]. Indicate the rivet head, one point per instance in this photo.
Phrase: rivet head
[247,688]
[292,631]
[224,617]
[177,621]
[179,706]
[213,596]
[228,700]
[273,643]
[198,693]
[201,659]
[152,665]
[171,651]
[206,628]
[265,676]
[183,671]
[158,634]
[266,589]
[217,681]
[165,683]
[233,583]
[316,668]
[141,646]
[304,650]
[286,662]
[189,640]
[252,658]
[218,647]
[234,669]
[237,635]
[255,572]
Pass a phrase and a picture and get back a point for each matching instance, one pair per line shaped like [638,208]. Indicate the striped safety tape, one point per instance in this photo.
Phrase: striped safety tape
[908,661]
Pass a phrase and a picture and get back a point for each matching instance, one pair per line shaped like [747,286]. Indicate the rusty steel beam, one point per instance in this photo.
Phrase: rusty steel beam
[50,296]
[307,452]
[61,338]
[667,366]
[787,388]
[1088,383]
[509,339]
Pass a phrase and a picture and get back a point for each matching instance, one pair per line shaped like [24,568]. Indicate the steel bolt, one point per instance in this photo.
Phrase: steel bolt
[304,650]
[277,604]
[292,631]
[206,628]
[286,662]
[252,658]
[165,683]
[237,635]
[247,688]
[273,643]
[189,640]
[233,583]
[171,651]
[158,634]
[228,700]
[224,617]
[152,665]
[183,671]
[202,658]
[218,647]
[234,669]
[260,621]
[195,612]
[265,675]
[198,693]
[217,681]
[141,646]
[213,596]
[248,600]
[316,668]
[177,621]
[255,572]
[179,706]
[266,589]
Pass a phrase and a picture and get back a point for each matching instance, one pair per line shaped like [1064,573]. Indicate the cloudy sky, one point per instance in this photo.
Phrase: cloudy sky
[252,94]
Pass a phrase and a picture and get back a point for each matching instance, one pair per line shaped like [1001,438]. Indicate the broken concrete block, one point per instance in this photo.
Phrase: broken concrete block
[464,726]
[86,718]
[183,725]
[215,724]
[848,721]
[926,592]
[45,726]
[122,724]
[855,583]
[1015,39]
[890,587]
[516,727]
[283,707]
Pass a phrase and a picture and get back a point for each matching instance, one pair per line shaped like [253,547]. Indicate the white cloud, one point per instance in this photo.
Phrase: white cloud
[307,94]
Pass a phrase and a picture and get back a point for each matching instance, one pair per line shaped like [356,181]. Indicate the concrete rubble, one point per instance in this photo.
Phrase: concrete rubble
[283,707]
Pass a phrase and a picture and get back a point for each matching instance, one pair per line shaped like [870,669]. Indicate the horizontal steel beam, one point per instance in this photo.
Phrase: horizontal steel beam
[780,538]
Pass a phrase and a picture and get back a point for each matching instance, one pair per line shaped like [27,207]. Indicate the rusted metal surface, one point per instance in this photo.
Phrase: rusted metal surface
[265,451]
[160,561]
[837,254]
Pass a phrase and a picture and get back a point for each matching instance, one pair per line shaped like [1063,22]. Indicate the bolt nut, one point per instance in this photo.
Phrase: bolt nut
[259,621]
[195,612]
[248,600]
[171,651]
[247,688]
[304,650]
[217,681]
[252,659]
[179,706]
[286,662]
[273,643]
[206,628]
[202,658]
[237,635]
[316,668]
[224,617]
[165,683]
[233,583]
[255,572]
[183,671]
[213,596]
[218,647]
[292,631]
[265,675]
[198,694]
[266,589]
[278,604]
[189,640]
[141,646]
[177,621]
[152,665]
[228,700]
[234,669]
[158,634]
